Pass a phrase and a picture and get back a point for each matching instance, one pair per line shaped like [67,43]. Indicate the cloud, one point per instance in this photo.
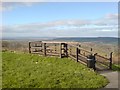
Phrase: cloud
[6,6]
[109,19]
[111,16]
[101,27]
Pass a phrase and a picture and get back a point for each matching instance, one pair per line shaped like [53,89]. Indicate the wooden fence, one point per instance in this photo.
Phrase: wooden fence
[69,50]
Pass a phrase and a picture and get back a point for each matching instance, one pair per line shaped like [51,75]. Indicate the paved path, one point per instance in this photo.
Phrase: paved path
[112,76]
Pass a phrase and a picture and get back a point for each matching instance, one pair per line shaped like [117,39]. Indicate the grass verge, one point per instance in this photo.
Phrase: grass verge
[116,67]
[33,71]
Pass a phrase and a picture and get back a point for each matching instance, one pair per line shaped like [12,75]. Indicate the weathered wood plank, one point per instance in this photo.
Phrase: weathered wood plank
[44,49]
[101,57]
[29,47]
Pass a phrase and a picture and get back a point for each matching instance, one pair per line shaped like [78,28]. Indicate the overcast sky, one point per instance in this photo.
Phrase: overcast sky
[81,19]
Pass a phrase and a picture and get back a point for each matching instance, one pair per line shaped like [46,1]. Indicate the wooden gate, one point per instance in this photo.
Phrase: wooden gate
[48,49]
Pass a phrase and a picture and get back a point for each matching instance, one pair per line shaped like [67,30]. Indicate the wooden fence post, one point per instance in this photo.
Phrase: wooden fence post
[63,50]
[79,51]
[77,54]
[91,49]
[29,47]
[110,66]
[79,45]
[55,47]
[44,49]
[60,50]
[66,49]
[70,50]
[94,67]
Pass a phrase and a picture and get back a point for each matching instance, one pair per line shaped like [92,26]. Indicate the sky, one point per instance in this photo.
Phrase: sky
[59,19]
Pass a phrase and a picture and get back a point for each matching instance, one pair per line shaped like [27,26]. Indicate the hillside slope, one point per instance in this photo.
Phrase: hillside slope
[32,71]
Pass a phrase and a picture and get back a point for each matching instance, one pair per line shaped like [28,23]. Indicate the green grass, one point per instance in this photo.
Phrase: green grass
[0,70]
[116,67]
[21,71]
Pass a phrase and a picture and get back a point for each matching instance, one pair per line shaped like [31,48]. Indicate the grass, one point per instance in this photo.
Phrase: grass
[116,67]
[32,71]
[0,70]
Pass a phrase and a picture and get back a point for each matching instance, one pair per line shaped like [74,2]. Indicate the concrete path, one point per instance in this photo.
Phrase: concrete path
[112,76]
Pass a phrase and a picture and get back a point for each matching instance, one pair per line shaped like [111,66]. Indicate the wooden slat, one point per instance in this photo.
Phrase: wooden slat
[40,50]
[36,42]
[37,53]
[102,57]
[105,63]
[80,55]
[35,47]
[52,54]
[80,48]
[72,57]
[82,62]
[82,59]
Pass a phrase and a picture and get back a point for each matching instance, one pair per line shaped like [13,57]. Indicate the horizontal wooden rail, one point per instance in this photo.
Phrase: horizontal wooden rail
[80,48]
[103,62]
[102,57]
[72,57]
[35,47]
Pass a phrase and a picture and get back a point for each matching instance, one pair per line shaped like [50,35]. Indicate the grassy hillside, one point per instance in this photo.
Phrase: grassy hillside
[33,71]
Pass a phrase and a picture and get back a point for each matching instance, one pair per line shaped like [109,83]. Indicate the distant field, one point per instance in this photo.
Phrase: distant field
[21,70]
